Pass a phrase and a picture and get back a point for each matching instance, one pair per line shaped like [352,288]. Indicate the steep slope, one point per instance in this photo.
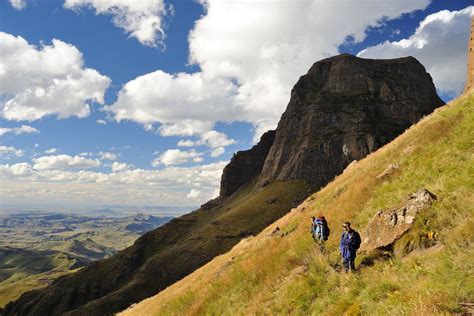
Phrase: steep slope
[168,254]
[343,109]
[284,273]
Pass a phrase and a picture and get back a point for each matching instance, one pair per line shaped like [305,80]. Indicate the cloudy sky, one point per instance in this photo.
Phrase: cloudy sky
[124,102]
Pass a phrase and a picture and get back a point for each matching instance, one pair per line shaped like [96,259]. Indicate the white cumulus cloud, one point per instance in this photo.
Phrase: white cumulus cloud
[101,122]
[170,186]
[142,19]
[17,170]
[186,127]
[250,53]
[217,151]
[177,157]
[8,151]
[64,162]
[119,166]
[185,104]
[212,139]
[51,151]
[193,194]
[24,129]
[104,155]
[18,4]
[439,43]
[185,143]
[49,80]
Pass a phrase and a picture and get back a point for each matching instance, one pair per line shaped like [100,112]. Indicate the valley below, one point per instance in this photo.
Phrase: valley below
[37,248]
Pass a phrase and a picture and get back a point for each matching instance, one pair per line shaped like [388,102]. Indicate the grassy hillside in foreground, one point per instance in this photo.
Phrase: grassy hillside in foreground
[275,275]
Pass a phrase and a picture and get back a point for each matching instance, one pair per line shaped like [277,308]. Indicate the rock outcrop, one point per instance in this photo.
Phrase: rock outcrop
[344,108]
[392,168]
[389,225]
[245,165]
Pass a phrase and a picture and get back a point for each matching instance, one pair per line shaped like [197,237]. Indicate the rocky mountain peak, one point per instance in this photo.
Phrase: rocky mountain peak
[344,108]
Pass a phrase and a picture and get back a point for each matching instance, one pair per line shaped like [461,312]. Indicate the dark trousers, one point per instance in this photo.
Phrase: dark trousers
[348,264]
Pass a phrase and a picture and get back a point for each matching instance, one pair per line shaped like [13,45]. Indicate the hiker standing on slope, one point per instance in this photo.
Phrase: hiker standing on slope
[350,242]
[319,230]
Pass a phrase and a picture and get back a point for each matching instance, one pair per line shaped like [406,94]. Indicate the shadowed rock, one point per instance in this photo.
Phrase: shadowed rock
[343,109]
[245,165]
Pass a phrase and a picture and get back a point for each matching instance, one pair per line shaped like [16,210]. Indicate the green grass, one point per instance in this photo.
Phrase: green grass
[258,275]
[25,270]
[33,255]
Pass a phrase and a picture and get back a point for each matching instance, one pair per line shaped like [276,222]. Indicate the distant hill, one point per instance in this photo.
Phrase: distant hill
[342,110]
[35,249]
[23,270]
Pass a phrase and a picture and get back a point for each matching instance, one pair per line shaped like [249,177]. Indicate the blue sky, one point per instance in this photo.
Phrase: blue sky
[236,63]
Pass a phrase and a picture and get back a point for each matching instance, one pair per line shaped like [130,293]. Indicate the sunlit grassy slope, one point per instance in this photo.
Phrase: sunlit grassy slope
[287,275]
[25,270]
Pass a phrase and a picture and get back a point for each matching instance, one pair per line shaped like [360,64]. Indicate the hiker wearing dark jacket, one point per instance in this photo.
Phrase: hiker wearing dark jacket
[350,242]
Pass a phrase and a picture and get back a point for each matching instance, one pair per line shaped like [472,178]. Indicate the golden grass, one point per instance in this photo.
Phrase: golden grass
[287,275]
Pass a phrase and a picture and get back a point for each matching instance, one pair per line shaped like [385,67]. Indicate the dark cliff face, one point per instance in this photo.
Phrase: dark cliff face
[344,108]
[245,165]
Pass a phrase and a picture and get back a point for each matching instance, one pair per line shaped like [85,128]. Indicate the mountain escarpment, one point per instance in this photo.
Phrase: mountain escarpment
[344,108]
[245,165]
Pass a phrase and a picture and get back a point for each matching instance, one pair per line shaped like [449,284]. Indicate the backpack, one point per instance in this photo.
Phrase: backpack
[357,241]
[326,230]
[317,228]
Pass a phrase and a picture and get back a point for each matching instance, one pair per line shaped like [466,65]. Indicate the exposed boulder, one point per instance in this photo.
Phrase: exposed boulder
[245,165]
[409,150]
[344,108]
[350,166]
[389,170]
[389,225]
